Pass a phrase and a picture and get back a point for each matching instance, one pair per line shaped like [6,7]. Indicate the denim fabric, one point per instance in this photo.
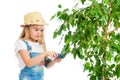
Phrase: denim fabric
[29,76]
[32,73]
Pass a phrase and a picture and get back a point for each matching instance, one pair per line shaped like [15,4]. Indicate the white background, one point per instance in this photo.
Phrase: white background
[11,17]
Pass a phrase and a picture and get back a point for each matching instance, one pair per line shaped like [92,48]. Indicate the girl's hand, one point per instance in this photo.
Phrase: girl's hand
[58,60]
[51,54]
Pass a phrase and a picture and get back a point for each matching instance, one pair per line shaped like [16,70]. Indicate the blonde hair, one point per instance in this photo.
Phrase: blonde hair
[25,36]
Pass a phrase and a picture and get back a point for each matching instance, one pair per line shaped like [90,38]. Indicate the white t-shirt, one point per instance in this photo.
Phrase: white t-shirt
[20,44]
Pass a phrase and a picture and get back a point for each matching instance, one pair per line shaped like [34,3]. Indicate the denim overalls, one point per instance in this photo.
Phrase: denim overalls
[35,72]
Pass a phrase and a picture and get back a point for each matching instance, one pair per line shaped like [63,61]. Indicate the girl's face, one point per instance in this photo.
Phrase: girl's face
[36,32]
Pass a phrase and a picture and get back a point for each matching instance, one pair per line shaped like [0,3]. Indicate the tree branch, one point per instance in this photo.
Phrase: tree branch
[112,30]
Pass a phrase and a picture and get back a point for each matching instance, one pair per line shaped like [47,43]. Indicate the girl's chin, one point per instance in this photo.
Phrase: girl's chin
[34,40]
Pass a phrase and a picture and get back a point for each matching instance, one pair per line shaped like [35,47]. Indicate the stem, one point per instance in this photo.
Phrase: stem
[104,68]
[112,30]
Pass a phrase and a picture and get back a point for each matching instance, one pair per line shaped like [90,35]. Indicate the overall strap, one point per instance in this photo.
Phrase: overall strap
[29,48]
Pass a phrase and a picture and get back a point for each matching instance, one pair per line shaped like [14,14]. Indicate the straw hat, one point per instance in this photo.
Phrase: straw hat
[33,18]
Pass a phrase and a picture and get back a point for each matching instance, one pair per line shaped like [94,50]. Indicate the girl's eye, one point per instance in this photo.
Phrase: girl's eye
[36,29]
[41,30]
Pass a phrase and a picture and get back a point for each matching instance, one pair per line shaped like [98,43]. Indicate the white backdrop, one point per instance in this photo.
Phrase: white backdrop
[11,17]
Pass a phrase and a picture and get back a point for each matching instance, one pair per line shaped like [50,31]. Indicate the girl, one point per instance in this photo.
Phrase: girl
[31,49]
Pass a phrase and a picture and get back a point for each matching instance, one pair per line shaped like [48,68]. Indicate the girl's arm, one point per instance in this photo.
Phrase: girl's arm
[52,62]
[33,61]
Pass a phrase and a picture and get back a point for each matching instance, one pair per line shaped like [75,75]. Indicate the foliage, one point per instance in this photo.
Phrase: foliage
[91,33]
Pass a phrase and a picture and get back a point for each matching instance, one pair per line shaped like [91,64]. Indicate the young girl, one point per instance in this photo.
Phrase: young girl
[31,49]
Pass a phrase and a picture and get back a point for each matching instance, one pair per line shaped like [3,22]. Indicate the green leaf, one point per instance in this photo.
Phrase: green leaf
[93,77]
[83,1]
[59,13]
[118,70]
[65,10]
[59,6]
[68,38]
[118,2]
[74,52]
[111,67]
[63,16]
[71,20]
[105,1]
[109,56]
[117,58]
[86,66]
[63,26]
[52,17]
[55,34]
[80,53]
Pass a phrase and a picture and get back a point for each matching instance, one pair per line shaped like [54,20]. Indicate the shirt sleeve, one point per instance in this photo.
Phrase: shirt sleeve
[19,45]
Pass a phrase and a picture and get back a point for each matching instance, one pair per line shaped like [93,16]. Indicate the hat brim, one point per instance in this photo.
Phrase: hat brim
[33,24]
